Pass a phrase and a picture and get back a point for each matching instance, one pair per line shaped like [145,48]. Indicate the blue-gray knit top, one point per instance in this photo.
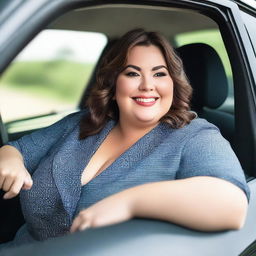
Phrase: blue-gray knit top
[56,158]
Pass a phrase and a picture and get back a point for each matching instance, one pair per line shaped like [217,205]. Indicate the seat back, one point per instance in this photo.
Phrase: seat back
[92,80]
[3,133]
[206,74]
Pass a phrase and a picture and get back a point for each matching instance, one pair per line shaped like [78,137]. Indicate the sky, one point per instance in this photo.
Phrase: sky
[49,44]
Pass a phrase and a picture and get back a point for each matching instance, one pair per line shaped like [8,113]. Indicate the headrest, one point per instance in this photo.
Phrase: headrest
[206,74]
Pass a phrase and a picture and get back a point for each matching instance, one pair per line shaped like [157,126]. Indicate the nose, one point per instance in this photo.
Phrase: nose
[146,84]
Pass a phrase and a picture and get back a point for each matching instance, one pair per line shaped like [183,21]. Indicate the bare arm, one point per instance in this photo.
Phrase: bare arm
[202,203]
[13,174]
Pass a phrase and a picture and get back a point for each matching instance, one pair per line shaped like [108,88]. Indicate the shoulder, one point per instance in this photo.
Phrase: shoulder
[197,126]
[76,116]
[68,122]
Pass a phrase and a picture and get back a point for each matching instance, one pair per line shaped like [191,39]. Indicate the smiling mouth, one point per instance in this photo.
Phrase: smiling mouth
[147,102]
[139,99]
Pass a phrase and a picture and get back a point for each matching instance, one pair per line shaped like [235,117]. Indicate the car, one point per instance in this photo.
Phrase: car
[215,38]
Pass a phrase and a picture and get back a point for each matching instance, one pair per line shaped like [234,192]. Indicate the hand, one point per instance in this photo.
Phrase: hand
[111,210]
[13,179]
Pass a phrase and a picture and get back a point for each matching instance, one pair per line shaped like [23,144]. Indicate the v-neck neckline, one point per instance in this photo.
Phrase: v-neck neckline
[100,138]
[73,156]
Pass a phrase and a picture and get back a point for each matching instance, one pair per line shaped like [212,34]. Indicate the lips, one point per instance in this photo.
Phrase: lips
[145,101]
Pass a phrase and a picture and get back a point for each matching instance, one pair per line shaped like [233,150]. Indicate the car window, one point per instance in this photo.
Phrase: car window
[213,38]
[250,23]
[49,76]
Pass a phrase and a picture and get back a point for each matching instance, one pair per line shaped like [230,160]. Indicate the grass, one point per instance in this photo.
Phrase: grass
[60,79]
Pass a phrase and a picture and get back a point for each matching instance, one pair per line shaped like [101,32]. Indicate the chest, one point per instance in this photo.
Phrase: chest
[104,156]
[152,158]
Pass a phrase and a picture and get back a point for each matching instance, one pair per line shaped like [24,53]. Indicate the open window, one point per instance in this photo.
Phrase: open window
[47,79]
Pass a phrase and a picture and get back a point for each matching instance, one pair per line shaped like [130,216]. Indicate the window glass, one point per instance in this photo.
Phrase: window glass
[250,22]
[50,74]
[213,38]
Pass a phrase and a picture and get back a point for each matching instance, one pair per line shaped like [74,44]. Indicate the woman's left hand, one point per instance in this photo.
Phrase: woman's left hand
[111,210]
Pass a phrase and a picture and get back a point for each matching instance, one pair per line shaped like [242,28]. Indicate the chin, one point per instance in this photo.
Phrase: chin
[148,121]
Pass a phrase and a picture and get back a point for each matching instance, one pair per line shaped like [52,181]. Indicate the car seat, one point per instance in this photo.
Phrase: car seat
[92,79]
[206,74]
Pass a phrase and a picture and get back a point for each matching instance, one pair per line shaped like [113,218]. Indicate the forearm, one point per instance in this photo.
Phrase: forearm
[10,153]
[202,203]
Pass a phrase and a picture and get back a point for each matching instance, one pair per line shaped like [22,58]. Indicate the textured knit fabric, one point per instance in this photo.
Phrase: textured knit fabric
[56,159]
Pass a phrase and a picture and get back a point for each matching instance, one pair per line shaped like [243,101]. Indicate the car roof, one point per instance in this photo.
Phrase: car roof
[98,19]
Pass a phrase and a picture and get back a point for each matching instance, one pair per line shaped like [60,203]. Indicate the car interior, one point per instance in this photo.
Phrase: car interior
[210,87]
[207,65]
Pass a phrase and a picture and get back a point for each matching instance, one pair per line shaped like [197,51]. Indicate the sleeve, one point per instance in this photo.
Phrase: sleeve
[36,145]
[209,154]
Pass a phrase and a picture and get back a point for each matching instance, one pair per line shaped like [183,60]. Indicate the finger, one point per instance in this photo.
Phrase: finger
[80,223]
[75,224]
[79,226]
[84,226]
[8,183]
[28,183]
[1,181]
[14,190]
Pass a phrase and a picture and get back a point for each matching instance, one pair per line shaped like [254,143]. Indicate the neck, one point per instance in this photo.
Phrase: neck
[133,132]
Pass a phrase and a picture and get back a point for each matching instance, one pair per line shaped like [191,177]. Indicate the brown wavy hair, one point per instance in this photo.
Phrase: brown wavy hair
[100,103]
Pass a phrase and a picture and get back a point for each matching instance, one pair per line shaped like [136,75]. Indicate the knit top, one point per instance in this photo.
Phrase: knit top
[56,158]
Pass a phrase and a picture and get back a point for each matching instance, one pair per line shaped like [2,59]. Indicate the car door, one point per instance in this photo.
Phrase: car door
[147,237]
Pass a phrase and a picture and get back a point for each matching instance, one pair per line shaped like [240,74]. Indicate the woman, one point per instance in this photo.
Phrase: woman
[137,151]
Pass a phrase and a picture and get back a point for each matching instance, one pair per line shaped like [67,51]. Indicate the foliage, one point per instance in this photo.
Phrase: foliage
[59,79]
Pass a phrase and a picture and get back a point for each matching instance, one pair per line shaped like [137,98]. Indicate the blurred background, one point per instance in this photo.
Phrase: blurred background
[51,73]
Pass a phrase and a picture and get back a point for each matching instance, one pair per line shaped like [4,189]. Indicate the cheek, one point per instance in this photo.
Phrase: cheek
[124,87]
[166,89]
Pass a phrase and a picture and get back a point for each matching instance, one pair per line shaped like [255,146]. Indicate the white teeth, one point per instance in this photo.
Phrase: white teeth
[145,100]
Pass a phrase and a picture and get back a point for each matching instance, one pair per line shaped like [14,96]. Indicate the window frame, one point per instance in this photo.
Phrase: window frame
[223,12]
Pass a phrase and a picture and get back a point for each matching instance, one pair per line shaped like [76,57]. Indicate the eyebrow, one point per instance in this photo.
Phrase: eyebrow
[158,67]
[139,69]
[132,66]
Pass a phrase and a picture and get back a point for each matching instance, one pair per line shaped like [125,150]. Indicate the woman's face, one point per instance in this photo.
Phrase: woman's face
[144,90]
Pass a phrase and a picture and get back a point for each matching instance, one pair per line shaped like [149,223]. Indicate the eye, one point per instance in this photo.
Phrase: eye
[160,74]
[131,74]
